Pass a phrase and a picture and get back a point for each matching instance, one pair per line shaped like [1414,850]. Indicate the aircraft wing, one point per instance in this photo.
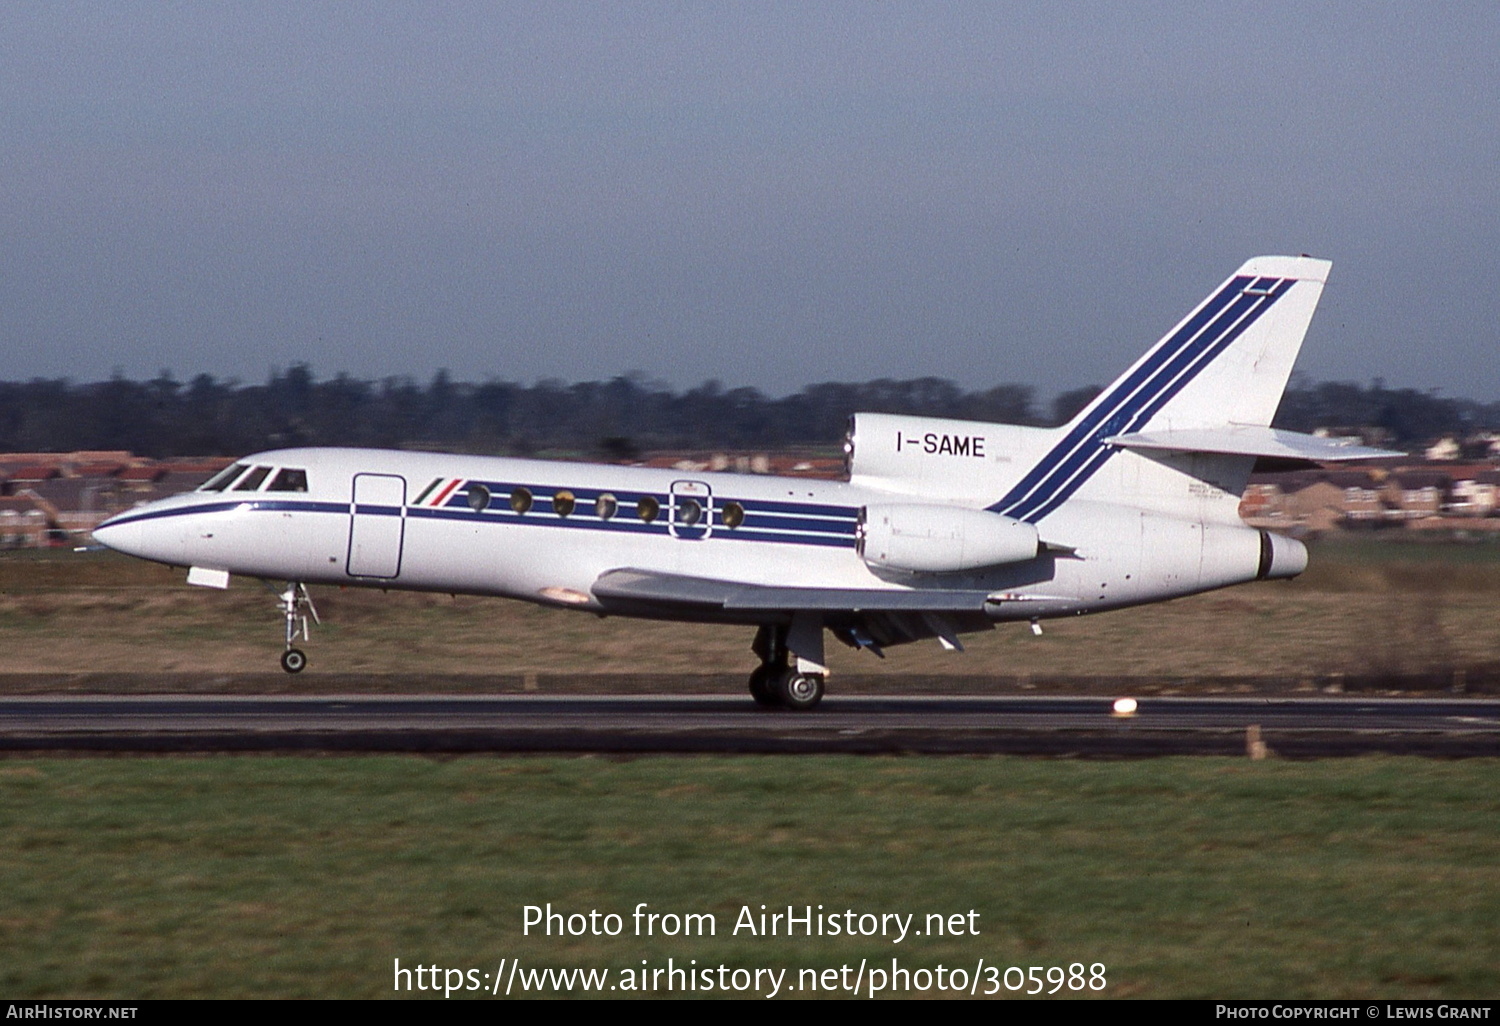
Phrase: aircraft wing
[1245,440]
[651,587]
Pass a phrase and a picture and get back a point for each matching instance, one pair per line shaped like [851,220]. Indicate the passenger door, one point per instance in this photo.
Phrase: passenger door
[377,526]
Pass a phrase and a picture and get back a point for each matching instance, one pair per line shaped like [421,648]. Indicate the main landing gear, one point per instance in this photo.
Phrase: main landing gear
[778,683]
[293,601]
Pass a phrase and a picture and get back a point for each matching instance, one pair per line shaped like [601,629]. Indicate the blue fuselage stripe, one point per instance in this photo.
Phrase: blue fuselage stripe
[817,529]
[586,497]
[273,505]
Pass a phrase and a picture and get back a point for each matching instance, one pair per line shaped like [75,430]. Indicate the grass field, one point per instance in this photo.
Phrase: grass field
[271,877]
[1362,608]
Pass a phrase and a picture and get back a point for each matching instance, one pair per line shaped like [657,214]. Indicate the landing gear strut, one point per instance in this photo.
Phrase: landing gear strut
[777,682]
[293,601]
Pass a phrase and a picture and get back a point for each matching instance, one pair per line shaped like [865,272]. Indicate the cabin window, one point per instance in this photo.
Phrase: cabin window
[563,503]
[520,499]
[606,506]
[288,479]
[253,479]
[733,514]
[646,508]
[479,497]
[688,512]
[221,480]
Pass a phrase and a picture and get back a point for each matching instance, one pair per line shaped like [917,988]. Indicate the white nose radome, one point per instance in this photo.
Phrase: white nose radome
[146,537]
[122,537]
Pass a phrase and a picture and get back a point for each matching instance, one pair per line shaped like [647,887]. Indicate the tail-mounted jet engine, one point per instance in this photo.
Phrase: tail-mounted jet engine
[1280,557]
[942,539]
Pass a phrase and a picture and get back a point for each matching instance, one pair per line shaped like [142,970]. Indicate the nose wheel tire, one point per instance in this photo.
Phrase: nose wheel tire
[293,660]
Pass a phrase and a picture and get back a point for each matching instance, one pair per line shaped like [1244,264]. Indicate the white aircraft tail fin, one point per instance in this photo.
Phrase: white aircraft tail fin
[1226,364]
[1228,361]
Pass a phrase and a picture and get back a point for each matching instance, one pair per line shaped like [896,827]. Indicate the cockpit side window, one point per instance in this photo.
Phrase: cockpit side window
[252,480]
[288,479]
[220,481]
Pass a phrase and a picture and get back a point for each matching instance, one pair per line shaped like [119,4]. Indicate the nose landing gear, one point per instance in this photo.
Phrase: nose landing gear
[293,601]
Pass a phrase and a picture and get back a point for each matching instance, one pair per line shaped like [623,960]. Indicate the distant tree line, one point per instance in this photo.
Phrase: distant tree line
[615,419]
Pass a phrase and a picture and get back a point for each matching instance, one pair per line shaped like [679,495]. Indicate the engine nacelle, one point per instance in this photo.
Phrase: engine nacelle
[1280,557]
[942,539]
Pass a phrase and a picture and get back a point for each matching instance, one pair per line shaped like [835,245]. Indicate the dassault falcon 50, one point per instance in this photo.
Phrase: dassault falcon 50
[943,526]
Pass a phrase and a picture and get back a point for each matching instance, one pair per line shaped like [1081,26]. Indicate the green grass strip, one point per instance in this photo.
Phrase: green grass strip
[303,877]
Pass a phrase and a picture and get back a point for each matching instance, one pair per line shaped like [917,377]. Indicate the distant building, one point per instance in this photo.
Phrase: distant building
[28,522]
[782,464]
[1475,495]
[1322,500]
[1444,449]
[1415,494]
[55,498]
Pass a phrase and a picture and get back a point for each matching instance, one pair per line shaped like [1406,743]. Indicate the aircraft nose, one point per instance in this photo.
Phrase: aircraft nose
[140,534]
[121,534]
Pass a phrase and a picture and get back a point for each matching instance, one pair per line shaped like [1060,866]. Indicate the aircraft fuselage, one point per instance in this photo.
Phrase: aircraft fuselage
[546,531]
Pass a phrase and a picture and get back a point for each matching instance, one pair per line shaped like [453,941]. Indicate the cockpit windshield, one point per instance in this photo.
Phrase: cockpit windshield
[251,481]
[283,479]
[288,479]
[222,479]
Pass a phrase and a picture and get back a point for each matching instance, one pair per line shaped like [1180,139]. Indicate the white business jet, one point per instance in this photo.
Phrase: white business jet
[943,527]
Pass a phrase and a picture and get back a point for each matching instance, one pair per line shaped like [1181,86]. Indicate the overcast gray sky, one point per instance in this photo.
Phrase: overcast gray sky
[767,194]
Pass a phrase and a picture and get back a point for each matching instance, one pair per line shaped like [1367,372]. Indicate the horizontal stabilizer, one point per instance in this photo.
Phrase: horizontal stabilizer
[1245,440]
[674,590]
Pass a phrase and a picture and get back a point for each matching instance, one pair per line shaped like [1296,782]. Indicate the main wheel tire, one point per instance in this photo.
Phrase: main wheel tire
[761,689]
[293,660]
[799,692]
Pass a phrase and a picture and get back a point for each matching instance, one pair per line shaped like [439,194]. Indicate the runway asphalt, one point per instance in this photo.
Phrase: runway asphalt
[1054,726]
